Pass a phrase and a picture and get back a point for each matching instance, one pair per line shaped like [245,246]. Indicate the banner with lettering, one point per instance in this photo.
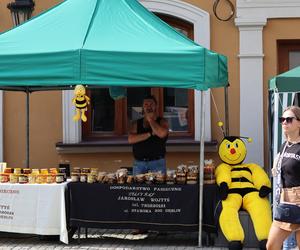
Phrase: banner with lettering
[157,207]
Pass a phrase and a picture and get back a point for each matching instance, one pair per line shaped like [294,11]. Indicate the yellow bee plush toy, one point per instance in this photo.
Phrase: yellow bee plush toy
[81,101]
[242,185]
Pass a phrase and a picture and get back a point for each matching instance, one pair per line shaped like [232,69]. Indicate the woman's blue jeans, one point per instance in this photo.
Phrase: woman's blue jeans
[142,167]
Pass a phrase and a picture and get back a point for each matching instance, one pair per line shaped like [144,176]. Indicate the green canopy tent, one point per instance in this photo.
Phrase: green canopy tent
[283,90]
[104,42]
[107,43]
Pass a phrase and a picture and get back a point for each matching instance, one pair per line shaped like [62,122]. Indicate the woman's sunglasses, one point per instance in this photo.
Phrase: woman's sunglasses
[287,119]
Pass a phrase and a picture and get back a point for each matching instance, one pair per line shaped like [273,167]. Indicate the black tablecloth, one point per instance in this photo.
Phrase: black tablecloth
[151,207]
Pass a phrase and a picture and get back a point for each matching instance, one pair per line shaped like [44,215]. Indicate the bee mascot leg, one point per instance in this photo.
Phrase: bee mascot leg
[259,210]
[83,116]
[230,223]
[76,117]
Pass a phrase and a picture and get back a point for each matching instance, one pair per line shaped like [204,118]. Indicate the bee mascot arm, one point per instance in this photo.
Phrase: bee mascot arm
[260,179]
[223,179]
[87,99]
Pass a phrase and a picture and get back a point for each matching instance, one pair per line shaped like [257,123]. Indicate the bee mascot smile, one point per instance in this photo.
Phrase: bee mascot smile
[242,185]
[81,101]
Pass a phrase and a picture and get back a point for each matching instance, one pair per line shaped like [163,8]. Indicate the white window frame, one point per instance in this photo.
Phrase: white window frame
[200,20]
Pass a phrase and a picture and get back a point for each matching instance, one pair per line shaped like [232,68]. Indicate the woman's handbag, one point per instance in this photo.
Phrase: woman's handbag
[285,212]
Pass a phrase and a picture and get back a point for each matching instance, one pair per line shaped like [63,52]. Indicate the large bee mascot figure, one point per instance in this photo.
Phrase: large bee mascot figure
[81,100]
[242,185]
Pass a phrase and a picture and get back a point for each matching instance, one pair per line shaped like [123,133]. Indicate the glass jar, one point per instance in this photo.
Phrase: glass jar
[85,170]
[13,178]
[26,171]
[8,170]
[60,178]
[76,170]
[75,177]
[44,171]
[41,178]
[91,178]
[35,171]
[4,178]
[32,178]
[83,177]
[17,170]
[53,171]
[94,171]
[51,178]
[23,178]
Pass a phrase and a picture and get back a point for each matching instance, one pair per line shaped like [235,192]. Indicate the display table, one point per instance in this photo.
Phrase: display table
[151,207]
[33,209]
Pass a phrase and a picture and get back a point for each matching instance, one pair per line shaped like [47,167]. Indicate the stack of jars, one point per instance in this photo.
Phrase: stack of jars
[33,176]
[88,175]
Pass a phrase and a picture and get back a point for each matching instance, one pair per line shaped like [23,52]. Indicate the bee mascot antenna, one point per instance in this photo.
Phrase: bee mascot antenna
[242,185]
[81,100]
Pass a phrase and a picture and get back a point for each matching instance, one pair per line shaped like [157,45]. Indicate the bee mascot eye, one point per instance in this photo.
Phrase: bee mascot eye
[80,100]
[242,185]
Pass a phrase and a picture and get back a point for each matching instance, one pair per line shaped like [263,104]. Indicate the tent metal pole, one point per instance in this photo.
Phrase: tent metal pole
[201,167]
[226,111]
[27,127]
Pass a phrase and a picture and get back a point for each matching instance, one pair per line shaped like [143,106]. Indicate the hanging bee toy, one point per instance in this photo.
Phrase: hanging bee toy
[81,100]
[242,185]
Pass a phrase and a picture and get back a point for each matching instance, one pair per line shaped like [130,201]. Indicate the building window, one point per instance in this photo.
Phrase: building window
[109,118]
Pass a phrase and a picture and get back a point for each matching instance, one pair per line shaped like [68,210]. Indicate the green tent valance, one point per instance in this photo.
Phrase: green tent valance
[105,42]
[286,82]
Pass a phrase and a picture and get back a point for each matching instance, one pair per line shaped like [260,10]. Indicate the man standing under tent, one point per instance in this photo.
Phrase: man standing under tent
[148,137]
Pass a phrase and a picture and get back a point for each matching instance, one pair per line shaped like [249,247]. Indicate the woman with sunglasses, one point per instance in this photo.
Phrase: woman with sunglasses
[290,177]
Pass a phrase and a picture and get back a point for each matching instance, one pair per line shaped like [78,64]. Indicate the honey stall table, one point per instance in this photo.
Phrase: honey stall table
[158,207]
[34,209]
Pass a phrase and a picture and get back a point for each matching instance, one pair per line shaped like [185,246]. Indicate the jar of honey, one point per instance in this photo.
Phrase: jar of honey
[13,178]
[26,171]
[41,178]
[91,178]
[23,178]
[4,178]
[94,171]
[83,177]
[35,171]
[76,170]
[32,178]
[44,171]
[18,171]
[75,177]
[51,178]
[8,170]
[60,178]
[53,171]
[85,170]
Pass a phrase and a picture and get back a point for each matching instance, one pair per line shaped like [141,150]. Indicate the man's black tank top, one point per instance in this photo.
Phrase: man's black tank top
[151,149]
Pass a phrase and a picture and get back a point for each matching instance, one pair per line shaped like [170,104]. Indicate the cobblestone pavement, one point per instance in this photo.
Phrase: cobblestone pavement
[105,239]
